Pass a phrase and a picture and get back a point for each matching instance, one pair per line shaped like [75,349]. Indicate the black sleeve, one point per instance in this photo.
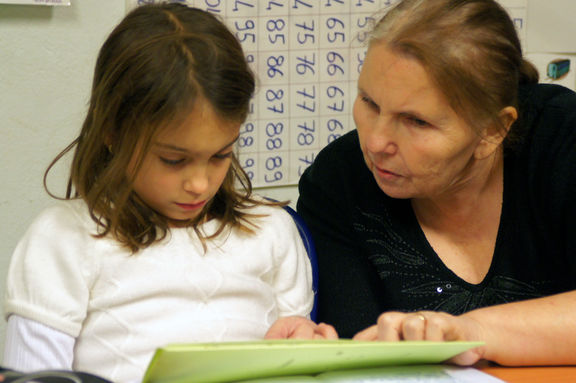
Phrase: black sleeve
[348,283]
[558,121]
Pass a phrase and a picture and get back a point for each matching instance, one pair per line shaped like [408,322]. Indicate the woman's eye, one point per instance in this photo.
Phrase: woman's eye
[172,162]
[369,102]
[417,121]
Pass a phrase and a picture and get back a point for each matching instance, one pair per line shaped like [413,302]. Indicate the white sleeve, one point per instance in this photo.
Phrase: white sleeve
[50,273]
[32,346]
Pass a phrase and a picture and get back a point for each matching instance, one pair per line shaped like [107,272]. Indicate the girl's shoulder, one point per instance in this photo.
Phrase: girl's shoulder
[267,216]
[65,216]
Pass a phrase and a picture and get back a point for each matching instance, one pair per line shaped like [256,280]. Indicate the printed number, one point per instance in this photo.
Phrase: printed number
[332,23]
[274,63]
[276,25]
[245,142]
[303,37]
[305,64]
[243,3]
[272,95]
[213,5]
[241,34]
[276,177]
[247,128]
[333,68]
[273,130]
[334,124]
[361,2]
[271,3]
[302,3]
[305,139]
[273,143]
[273,163]
[247,165]
[333,91]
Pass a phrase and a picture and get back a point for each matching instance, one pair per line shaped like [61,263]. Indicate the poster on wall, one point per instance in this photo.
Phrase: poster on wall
[36,2]
[307,55]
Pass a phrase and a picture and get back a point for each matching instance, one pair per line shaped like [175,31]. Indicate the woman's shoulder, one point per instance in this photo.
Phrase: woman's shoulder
[542,98]
[547,117]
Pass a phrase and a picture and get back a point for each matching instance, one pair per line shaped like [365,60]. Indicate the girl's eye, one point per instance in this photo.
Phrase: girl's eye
[171,162]
[223,156]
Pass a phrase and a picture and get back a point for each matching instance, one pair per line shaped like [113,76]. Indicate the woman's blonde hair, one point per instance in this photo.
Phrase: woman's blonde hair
[470,48]
[150,71]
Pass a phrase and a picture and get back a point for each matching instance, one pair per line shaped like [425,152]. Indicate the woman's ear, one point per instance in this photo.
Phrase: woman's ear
[494,134]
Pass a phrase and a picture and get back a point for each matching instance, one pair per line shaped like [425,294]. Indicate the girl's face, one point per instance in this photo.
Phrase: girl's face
[187,164]
[413,142]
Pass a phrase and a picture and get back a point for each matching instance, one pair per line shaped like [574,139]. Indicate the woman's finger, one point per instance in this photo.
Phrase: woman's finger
[390,326]
[414,326]
[368,334]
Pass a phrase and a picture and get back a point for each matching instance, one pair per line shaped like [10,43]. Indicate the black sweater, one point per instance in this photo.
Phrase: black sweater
[374,257]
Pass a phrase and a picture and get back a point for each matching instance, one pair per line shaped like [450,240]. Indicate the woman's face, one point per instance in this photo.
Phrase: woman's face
[413,142]
[187,164]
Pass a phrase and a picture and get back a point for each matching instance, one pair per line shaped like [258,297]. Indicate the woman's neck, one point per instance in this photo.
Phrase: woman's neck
[480,194]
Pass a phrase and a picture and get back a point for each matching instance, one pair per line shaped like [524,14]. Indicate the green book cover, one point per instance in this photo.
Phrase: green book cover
[237,361]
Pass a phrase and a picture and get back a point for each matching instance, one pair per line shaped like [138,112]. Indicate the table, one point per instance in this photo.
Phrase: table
[548,374]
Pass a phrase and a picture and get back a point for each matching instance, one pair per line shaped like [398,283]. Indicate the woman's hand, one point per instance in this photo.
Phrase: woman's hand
[427,325]
[296,327]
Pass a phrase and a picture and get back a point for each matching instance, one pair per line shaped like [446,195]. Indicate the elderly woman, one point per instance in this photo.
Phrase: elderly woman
[450,213]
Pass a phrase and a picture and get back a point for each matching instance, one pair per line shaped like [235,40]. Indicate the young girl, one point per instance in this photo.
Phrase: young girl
[153,244]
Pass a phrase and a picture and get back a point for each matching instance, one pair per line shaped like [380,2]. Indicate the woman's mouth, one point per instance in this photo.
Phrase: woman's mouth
[386,174]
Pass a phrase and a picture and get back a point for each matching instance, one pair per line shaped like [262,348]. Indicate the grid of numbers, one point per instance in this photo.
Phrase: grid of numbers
[306,55]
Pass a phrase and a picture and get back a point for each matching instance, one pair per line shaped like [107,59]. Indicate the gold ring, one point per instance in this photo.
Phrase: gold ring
[421,316]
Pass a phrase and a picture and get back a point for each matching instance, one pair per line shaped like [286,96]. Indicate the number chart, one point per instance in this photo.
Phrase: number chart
[306,55]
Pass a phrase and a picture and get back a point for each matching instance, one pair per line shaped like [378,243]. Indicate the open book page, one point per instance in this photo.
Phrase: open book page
[237,361]
[392,374]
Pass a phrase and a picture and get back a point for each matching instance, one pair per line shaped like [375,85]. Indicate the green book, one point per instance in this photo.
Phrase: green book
[237,361]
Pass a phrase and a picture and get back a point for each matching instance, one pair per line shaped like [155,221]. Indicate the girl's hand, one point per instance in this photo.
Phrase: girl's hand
[427,325]
[296,327]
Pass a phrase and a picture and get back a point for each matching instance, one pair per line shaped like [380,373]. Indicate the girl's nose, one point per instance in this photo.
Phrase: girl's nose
[196,180]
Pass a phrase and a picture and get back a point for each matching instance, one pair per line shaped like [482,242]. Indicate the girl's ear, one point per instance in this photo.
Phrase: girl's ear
[108,142]
[493,135]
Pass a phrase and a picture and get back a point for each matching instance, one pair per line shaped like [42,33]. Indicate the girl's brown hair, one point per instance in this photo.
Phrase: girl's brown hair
[150,71]
[470,48]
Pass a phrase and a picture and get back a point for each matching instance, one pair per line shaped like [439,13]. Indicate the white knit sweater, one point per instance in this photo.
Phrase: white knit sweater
[121,307]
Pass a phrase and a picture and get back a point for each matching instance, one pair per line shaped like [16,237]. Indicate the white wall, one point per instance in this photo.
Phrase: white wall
[47,55]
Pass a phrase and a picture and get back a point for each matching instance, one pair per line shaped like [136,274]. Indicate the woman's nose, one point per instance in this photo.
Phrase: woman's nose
[381,137]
